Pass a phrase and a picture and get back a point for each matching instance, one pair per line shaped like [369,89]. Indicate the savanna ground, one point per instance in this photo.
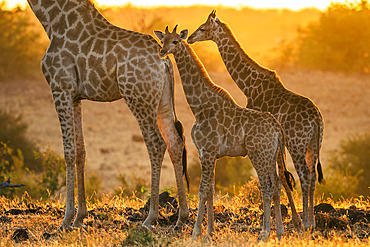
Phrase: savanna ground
[114,146]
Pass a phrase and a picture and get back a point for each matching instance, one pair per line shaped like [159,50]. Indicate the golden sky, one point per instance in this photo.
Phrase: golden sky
[291,4]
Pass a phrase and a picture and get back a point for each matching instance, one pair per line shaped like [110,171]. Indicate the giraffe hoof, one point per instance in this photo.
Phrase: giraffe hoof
[147,227]
[63,228]
[178,228]
[207,239]
[264,236]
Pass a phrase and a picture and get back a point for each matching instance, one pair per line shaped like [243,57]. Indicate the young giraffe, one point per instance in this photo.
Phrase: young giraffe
[222,128]
[300,118]
[89,58]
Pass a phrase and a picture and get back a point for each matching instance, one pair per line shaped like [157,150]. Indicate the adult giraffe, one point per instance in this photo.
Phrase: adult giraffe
[300,118]
[89,58]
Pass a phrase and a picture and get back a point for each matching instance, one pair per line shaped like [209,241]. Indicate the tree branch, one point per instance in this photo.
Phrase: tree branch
[7,184]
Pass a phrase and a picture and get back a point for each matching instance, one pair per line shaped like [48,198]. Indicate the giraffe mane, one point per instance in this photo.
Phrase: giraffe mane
[240,49]
[215,88]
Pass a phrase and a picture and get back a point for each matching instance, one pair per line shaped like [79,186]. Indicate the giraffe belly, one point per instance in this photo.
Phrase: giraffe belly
[99,91]
[231,147]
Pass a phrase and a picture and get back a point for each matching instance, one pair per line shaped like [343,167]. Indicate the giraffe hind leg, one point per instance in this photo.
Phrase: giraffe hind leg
[175,147]
[80,164]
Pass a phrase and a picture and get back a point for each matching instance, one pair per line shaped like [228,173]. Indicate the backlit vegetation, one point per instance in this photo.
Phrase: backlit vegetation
[21,47]
[338,41]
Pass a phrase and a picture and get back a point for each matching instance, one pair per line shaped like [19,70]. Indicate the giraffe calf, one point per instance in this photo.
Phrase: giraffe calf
[223,128]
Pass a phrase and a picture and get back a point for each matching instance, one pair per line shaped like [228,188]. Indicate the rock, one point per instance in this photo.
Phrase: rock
[165,201]
[323,208]
[325,221]
[20,235]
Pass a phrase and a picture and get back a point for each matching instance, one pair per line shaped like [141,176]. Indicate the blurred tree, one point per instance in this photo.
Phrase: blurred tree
[339,41]
[136,19]
[19,44]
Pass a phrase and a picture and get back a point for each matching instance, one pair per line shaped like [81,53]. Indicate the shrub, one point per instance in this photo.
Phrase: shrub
[93,186]
[348,171]
[137,185]
[42,185]
[13,132]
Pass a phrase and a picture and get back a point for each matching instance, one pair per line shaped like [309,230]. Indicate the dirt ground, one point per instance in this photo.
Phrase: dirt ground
[111,131]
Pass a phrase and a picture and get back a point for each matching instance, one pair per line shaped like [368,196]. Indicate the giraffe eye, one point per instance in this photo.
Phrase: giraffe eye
[202,29]
[175,42]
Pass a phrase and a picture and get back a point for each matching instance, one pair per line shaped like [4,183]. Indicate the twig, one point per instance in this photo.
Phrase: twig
[7,184]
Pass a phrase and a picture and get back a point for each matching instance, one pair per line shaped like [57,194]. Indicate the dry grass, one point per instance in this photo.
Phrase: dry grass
[110,224]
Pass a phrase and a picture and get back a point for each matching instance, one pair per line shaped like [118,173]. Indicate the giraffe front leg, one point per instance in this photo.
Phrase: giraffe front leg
[80,163]
[204,191]
[156,149]
[210,212]
[64,108]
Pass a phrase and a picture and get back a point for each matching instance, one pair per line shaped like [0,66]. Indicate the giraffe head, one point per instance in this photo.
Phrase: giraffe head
[206,31]
[170,41]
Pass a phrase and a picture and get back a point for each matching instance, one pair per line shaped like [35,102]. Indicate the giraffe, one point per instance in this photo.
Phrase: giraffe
[88,58]
[223,128]
[300,118]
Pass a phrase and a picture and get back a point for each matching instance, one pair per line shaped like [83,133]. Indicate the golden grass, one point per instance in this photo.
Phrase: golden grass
[112,227]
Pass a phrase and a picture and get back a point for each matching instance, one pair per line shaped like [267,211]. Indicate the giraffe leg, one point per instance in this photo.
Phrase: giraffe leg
[64,107]
[204,190]
[80,164]
[311,158]
[276,198]
[297,222]
[311,215]
[303,174]
[210,212]
[156,149]
[175,148]
[266,197]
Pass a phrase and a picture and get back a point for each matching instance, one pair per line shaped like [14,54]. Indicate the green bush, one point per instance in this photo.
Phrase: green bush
[137,186]
[230,174]
[39,186]
[348,173]
[13,132]
[339,41]
[21,47]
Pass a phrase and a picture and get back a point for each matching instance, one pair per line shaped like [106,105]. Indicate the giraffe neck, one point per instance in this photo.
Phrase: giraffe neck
[246,72]
[62,16]
[201,93]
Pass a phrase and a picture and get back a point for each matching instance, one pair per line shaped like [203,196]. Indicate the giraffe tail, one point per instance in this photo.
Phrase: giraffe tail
[288,175]
[178,125]
[319,167]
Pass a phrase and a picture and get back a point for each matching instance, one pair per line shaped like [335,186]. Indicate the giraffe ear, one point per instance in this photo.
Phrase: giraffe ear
[184,34]
[159,35]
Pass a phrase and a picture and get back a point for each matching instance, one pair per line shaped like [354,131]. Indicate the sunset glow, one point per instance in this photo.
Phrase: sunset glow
[290,4]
